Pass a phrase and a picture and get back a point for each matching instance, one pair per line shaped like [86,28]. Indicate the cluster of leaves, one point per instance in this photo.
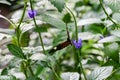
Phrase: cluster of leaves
[98,27]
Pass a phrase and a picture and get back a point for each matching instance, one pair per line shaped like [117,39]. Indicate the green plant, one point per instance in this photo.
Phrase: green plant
[55,41]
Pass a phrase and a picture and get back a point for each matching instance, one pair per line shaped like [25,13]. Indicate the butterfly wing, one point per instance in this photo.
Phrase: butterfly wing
[60,46]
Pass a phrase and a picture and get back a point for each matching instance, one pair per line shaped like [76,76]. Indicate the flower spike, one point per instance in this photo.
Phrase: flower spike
[32,13]
[77,43]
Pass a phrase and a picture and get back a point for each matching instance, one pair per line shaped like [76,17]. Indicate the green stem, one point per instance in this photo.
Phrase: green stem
[76,29]
[23,14]
[80,63]
[79,56]
[23,68]
[42,41]
[58,78]
[37,28]
[67,32]
[108,14]
[31,71]
[28,65]
[18,32]
[83,29]
[39,36]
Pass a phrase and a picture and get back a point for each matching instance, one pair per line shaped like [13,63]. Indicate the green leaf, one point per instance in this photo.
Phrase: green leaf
[67,18]
[113,4]
[86,35]
[112,51]
[5,2]
[100,73]
[6,77]
[79,4]
[116,17]
[109,39]
[60,38]
[70,76]
[39,70]
[116,32]
[25,38]
[115,75]
[112,63]
[59,4]
[89,21]
[26,27]
[42,28]
[16,51]
[53,21]
[94,28]
[4,71]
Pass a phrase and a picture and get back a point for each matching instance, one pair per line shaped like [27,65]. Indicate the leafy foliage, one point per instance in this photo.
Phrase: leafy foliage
[67,18]
[97,26]
[7,78]
[5,2]
[70,76]
[113,4]
[59,4]
[25,37]
[100,73]
[16,51]
[116,16]
[4,71]
[112,51]
[116,32]
[53,21]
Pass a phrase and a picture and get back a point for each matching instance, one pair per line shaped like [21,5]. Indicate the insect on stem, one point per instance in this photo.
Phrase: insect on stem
[63,44]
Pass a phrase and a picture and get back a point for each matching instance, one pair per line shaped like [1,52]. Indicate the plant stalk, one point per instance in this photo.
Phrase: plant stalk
[18,32]
[79,56]
[38,30]
[107,14]
[76,29]
[80,63]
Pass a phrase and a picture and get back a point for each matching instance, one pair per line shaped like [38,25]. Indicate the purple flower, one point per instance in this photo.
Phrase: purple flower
[32,13]
[77,43]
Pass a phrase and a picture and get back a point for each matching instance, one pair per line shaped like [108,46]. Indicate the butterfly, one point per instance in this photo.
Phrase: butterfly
[60,46]
[63,44]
